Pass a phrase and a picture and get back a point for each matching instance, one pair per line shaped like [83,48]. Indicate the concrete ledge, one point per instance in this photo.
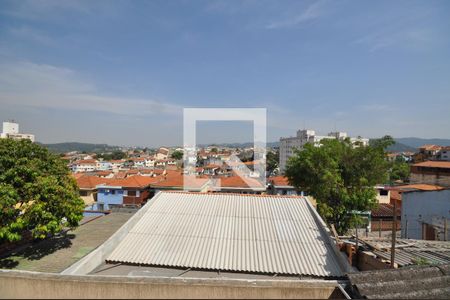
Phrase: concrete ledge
[24,284]
[94,259]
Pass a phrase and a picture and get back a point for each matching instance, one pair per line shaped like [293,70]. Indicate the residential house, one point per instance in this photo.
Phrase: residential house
[163,153]
[104,174]
[430,151]
[382,215]
[138,162]
[150,162]
[166,163]
[238,184]
[87,185]
[104,165]
[383,194]
[175,180]
[431,172]
[426,215]
[445,153]
[86,165]
[279,185]
[116,164]
[211,169]
[395,192]
[130,191]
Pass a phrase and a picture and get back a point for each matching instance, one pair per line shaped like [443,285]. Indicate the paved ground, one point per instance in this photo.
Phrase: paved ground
[56,254]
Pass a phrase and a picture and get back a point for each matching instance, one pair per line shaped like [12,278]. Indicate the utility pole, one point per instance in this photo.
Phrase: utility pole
[379,227]
[394,235]
[445,229]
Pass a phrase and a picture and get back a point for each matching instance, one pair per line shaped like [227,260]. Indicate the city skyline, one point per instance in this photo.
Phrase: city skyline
[121,73]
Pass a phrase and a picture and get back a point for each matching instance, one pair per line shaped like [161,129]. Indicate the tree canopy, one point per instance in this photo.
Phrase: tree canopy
[37,193]
[177,154]
[400,170]
[340,176]
[115,155]
[272,159]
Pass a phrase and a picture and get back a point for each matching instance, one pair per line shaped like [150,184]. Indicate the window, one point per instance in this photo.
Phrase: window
[132,193]
[383,193]
[83,193]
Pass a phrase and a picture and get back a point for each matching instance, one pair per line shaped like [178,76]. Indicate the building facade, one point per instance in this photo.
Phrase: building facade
[426,214]
[431,172]
[11,130]
[290,144]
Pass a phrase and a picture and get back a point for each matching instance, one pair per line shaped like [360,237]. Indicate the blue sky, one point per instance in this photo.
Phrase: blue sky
[120,72]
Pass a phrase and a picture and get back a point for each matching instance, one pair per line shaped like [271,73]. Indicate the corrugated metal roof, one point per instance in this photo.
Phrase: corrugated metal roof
[417,282]
[248,233]
[410,252]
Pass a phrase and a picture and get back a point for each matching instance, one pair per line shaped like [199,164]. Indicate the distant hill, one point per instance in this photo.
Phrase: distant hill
[239,145]
[417,142]
[400,147]
[74,146]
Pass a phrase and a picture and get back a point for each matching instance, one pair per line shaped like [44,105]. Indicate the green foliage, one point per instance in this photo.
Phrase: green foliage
[400,170]
[177,155]
[340,177]
[37,194]
[420,261]
[116,155]
[272,159]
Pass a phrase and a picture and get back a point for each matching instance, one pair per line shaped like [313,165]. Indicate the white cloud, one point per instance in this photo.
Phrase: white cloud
[313,11]
[414,38]
[46,86]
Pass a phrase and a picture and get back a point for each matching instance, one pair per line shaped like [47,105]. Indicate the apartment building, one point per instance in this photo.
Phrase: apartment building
[11,130]
[289,144]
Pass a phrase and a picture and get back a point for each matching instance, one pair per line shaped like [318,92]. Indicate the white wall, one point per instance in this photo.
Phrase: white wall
[431,207]
[10,128]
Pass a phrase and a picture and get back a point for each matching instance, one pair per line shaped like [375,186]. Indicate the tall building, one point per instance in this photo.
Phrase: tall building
[289,144]
[11,130]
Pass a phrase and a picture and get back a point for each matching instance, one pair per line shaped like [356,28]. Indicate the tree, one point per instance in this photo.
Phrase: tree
[399,171]
[341,177]
[177,155]
[272,161]
[116,155]
[37,193]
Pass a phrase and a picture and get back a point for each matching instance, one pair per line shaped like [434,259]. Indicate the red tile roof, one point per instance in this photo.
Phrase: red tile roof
[90,182]
[163,151]
[176,180]
[279,181]
[238,182]
[420,186]
[433,164]
[211,166]
[385,210]
[430,147]
[136,181]
[85,162]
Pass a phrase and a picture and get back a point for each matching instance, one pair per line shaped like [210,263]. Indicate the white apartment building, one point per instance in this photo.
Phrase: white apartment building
[11,130]
[289,144]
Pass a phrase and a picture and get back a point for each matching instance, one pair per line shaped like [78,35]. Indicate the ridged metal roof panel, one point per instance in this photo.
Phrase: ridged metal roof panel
[264,234]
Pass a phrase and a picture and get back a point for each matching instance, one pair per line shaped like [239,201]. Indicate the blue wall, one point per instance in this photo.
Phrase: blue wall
[106,196]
